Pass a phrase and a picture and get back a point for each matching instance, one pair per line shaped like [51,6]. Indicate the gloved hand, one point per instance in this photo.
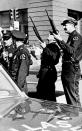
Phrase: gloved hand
[58,37]
[43,44]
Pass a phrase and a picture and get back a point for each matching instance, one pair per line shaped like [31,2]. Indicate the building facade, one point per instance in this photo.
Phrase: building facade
[58,10]
[7,7]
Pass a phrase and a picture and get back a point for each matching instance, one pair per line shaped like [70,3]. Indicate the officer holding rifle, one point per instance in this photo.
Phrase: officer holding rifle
[72,54]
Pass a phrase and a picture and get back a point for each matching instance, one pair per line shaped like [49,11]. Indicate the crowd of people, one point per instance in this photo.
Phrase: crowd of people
[16,58]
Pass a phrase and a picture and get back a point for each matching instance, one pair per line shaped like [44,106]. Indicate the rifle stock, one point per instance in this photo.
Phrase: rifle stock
[36,31]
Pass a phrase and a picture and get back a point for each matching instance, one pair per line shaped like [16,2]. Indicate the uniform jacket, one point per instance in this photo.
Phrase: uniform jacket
[73,47]
[20,65]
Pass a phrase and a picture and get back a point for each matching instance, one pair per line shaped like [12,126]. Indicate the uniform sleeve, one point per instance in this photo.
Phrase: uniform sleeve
[72,47]
[66,47]
[23,70]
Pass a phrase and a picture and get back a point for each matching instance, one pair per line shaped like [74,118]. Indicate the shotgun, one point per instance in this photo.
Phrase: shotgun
[54,30]
[36,31]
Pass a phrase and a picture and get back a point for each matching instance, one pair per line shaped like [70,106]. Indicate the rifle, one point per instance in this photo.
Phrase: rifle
[36,31]
[55,31]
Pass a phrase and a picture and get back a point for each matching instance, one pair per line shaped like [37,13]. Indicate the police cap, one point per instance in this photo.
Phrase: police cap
[69,20]
[18,35]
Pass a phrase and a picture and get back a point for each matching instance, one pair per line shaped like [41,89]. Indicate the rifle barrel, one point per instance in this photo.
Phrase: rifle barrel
[36,31]
[52,24]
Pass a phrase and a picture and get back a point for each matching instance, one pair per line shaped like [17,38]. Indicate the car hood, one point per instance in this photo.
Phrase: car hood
[38,115]
[19,112]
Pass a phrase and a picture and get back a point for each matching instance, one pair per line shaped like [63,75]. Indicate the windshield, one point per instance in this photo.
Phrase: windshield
[10,95]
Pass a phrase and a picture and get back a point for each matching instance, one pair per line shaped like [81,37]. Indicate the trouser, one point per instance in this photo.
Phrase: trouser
[21,84]
[70,81]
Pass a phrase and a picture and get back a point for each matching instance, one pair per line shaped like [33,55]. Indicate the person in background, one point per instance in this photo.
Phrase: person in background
[47,74]
[72,54]
[21,61]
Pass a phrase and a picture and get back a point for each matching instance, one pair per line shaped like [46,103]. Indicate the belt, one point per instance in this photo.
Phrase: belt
[71,62]
[48,67]
[67,61]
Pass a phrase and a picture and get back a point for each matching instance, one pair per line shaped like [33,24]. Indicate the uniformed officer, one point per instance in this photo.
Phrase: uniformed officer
[4,52]
[72,54]
[9,47]
[47,73]
[9,43]
[21,61]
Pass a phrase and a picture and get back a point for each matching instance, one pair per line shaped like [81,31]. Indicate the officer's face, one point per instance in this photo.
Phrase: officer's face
[8,42]
[68,27]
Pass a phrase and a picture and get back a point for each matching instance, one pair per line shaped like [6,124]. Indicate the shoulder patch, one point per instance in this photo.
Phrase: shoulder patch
[75,38]
[23,57]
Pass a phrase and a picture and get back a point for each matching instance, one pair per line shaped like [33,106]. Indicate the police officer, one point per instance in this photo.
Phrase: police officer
[21,61]
[72,53]
[47,73]
[3,51]
[9,47]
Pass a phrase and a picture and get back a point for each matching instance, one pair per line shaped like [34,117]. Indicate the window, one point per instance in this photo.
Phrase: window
[4,19]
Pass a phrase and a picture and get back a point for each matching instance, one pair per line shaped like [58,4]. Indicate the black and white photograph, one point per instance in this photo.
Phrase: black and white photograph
[41,65]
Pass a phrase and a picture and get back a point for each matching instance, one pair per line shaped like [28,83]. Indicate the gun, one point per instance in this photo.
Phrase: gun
[36,31]
[55,31]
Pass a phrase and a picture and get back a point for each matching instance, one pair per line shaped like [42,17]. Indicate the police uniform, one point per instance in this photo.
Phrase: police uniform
[20,63]
[9,49]
[48,74]
[3,61]
[70,65]
[3,51]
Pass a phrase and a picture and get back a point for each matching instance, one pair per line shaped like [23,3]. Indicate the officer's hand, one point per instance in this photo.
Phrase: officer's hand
[38,52]
[43,44]
[58,37]
[51,38]
[5,55]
